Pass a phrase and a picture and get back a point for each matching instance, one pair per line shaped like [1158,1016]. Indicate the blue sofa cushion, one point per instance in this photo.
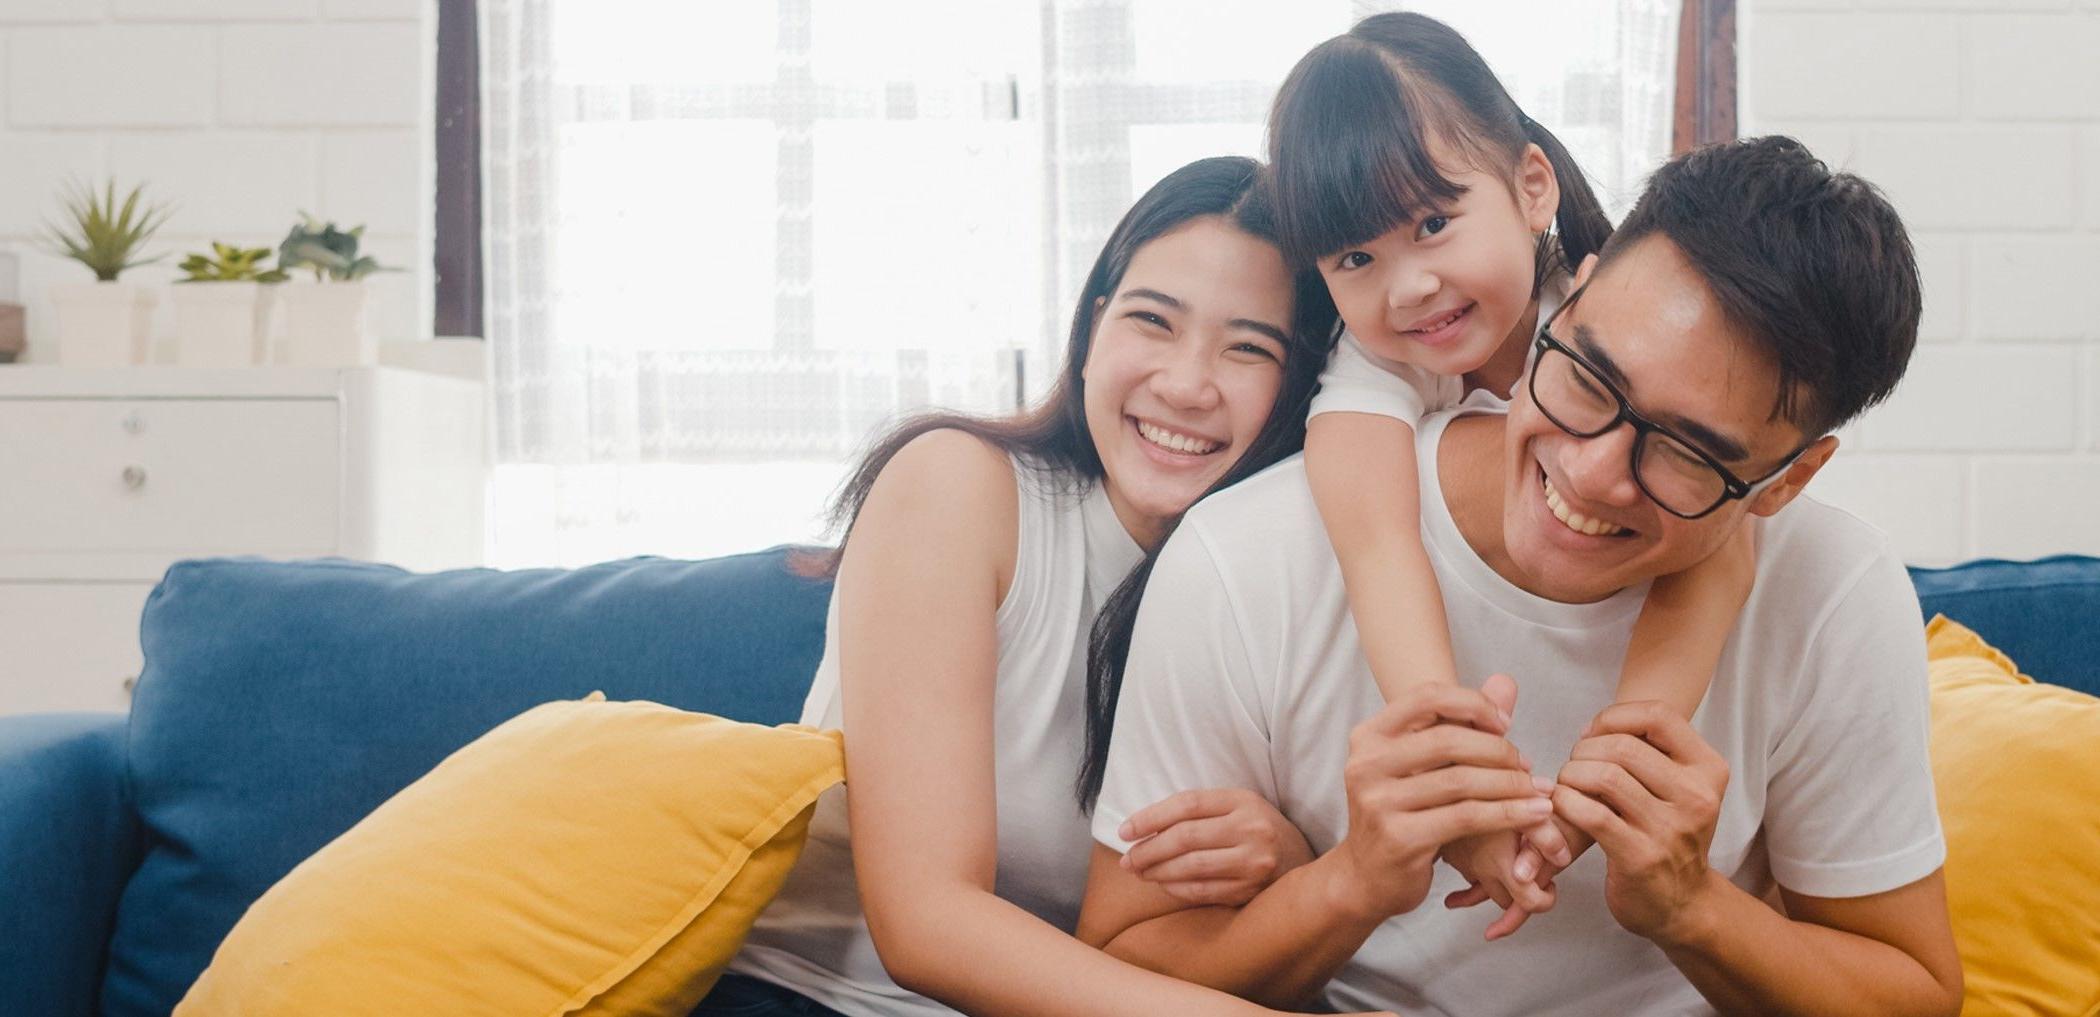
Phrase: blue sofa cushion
[282,702]
[2044,614]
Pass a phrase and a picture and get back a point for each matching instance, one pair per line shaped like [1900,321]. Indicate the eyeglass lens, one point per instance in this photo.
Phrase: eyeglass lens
[1579,402]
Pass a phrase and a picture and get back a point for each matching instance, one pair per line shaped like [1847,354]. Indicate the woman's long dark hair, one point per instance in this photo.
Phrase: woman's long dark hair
[1350,136]
[1349,152]
[1053,438]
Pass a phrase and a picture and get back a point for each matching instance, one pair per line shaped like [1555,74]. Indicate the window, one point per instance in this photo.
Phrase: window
[728,241]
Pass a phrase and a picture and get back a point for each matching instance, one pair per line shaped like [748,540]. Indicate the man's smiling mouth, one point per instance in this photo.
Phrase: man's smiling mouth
[1575,520]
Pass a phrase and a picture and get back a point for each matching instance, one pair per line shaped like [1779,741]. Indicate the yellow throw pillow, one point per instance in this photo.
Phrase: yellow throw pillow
[2019,791]
[583,858]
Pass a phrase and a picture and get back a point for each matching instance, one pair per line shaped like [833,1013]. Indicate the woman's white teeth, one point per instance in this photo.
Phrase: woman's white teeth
[1575,520]
[1177,442]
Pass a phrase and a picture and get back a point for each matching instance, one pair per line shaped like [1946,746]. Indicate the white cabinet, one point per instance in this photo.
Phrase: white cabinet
[85,475]
[109,476]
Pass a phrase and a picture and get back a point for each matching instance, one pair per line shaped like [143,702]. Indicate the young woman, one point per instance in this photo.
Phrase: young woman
[976,556]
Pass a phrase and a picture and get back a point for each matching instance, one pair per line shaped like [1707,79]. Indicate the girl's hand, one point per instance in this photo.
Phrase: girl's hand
[1531,857]
[1217,846]
[1489,863]
[1575,841]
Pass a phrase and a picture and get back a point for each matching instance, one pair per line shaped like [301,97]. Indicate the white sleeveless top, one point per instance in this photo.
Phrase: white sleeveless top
[1072,552]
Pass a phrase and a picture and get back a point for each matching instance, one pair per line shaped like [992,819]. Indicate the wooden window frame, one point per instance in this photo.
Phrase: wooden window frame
[457,255]
[1705,110]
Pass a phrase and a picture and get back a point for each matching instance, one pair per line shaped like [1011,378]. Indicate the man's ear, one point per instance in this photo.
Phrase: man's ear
[1584,271]
[1772,499]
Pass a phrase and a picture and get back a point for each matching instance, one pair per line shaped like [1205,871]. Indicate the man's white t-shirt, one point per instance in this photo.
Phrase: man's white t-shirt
[1245,671]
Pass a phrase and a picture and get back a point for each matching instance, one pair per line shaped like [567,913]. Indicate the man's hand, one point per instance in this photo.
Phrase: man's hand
[1216,846]
[1431,768]
[1512,872]
[1647,788]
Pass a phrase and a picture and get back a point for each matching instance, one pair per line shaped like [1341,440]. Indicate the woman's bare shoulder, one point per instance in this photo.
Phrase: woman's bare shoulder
[947,485]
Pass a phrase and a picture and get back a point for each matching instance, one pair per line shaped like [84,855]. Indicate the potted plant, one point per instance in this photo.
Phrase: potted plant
[221,308]
[14,335]
[325,319]
[105,323]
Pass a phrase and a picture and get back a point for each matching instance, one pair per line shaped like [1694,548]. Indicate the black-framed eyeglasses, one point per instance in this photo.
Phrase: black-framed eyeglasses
[1673,472]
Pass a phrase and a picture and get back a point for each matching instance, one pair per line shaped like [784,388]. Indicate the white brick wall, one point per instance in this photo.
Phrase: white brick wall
[1981,119]
[241,113]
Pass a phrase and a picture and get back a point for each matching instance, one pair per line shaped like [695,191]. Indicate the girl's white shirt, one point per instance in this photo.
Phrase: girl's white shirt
[1071,553]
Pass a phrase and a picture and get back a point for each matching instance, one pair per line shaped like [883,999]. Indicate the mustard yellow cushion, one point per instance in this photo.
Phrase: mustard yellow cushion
[2017,763]
[583,858]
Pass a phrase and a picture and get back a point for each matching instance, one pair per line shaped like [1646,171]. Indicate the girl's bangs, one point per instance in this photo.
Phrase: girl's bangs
[1350,151]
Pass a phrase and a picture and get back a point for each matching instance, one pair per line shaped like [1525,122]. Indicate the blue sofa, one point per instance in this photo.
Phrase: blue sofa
[281,702]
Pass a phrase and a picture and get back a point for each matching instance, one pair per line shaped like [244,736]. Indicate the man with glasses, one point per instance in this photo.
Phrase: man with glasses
[1778,854]
[1673,470]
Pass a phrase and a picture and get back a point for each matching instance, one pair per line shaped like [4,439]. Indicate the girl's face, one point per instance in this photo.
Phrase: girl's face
[1445,292]
[1184,365]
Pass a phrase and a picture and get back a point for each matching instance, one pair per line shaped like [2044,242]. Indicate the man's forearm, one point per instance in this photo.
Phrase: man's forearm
[1748,958]
[1280,949]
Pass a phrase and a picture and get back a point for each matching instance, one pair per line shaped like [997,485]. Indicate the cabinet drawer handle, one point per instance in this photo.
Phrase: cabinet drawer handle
[134,477]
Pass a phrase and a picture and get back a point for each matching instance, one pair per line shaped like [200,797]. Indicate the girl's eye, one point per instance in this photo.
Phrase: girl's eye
[1353,259]
[1149,318]
[1434,225]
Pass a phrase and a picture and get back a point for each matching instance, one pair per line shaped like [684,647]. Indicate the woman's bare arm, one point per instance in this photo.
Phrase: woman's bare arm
[919,586]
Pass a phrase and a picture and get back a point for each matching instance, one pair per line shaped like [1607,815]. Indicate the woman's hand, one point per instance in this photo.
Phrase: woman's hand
[1216,846]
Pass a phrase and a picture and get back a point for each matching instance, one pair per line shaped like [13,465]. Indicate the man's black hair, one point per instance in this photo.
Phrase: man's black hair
[1814,266]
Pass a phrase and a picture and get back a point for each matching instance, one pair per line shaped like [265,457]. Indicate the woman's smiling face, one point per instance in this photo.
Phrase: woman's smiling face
[1184,366]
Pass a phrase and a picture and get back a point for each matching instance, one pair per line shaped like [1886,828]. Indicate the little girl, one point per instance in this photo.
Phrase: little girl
[1406,174]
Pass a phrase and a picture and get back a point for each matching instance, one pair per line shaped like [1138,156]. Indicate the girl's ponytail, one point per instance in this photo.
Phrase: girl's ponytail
[1580,221]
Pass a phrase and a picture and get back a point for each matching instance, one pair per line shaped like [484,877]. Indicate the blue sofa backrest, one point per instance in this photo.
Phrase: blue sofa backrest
[2044,614]
[281,702]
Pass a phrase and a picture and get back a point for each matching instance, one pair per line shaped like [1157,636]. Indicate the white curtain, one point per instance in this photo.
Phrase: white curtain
[727,241]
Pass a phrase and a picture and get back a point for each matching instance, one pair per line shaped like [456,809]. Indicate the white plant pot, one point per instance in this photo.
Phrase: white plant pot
[220,324]
[324,325]
[103,324]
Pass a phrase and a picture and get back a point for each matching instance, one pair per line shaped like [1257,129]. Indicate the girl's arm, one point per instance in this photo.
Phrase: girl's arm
[1363,474]
[1684,625]
[920,582]
[1364,478]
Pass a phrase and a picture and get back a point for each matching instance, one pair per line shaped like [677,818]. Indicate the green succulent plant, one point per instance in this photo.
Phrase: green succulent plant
[227,263]
[330,252]
[103,235]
